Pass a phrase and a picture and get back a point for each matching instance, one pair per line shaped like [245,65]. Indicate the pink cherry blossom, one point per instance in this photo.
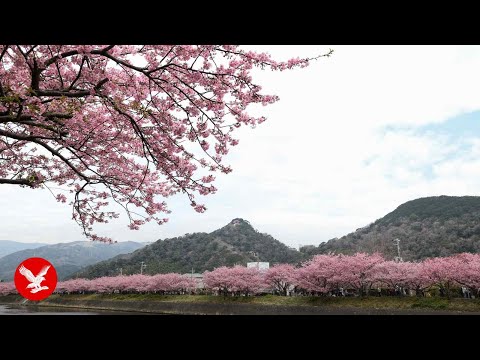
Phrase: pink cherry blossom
[235,281]
[322,275]
[468,271]
[7,288]
[442,272]
[280,277]
[356,271]
[316,275]
[125,125]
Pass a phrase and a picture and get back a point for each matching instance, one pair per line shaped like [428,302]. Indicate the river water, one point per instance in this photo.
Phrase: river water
[44,310]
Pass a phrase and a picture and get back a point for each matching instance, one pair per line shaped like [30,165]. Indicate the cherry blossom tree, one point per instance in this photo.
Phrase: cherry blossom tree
[238,280]
[73,286]
[316,275]
[160,283]
[467,271]
[218,280]
[442,272]
[171,284]
[356,271]
[105,285]
[392,274]
[280,277]
[134,283]
[417,278]
[7,288]
[125,125]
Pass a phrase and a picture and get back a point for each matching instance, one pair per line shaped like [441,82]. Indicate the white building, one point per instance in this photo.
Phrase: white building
[197,277]
[259,265]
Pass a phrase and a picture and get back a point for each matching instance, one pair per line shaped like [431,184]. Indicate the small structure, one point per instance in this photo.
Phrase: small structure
[239,221]
[197,277]
[259,265]
[236,222]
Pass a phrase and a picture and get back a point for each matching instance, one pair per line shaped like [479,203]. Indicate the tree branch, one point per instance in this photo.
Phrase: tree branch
[16,182]
[35,140]
[69,93]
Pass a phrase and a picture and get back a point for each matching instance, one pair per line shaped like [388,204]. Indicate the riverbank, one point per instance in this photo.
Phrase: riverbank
[260,305]
[12,309]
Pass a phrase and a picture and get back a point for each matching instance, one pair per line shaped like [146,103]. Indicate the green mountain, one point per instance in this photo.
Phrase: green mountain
[426,227]
[67,258]
[9,247]
[236,243]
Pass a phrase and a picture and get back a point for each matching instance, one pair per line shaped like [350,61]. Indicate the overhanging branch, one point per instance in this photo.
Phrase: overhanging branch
[16,182]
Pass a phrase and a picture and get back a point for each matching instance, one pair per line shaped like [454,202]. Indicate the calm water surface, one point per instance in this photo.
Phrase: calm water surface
[44,310]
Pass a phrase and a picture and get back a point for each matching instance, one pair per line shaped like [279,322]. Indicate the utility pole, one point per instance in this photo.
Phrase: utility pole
[142,266]
[398,258]
[121,271]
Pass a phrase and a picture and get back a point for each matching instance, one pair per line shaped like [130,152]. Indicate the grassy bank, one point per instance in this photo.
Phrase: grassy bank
[367,302]
[266,302]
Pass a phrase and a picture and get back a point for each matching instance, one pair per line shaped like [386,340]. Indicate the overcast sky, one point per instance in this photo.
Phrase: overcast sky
[352,137]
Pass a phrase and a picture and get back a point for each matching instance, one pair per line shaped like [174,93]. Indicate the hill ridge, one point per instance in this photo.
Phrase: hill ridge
[235,243]
[426,227]
[67,258]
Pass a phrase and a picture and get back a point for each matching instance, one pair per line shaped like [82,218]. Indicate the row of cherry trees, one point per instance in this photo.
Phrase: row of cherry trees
[322,275]
[332,274]
[161,283]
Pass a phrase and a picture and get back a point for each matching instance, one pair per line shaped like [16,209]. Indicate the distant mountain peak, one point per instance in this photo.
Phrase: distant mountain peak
[8,247]
[239,221]
[67,257]
[236,225]
[235,243]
